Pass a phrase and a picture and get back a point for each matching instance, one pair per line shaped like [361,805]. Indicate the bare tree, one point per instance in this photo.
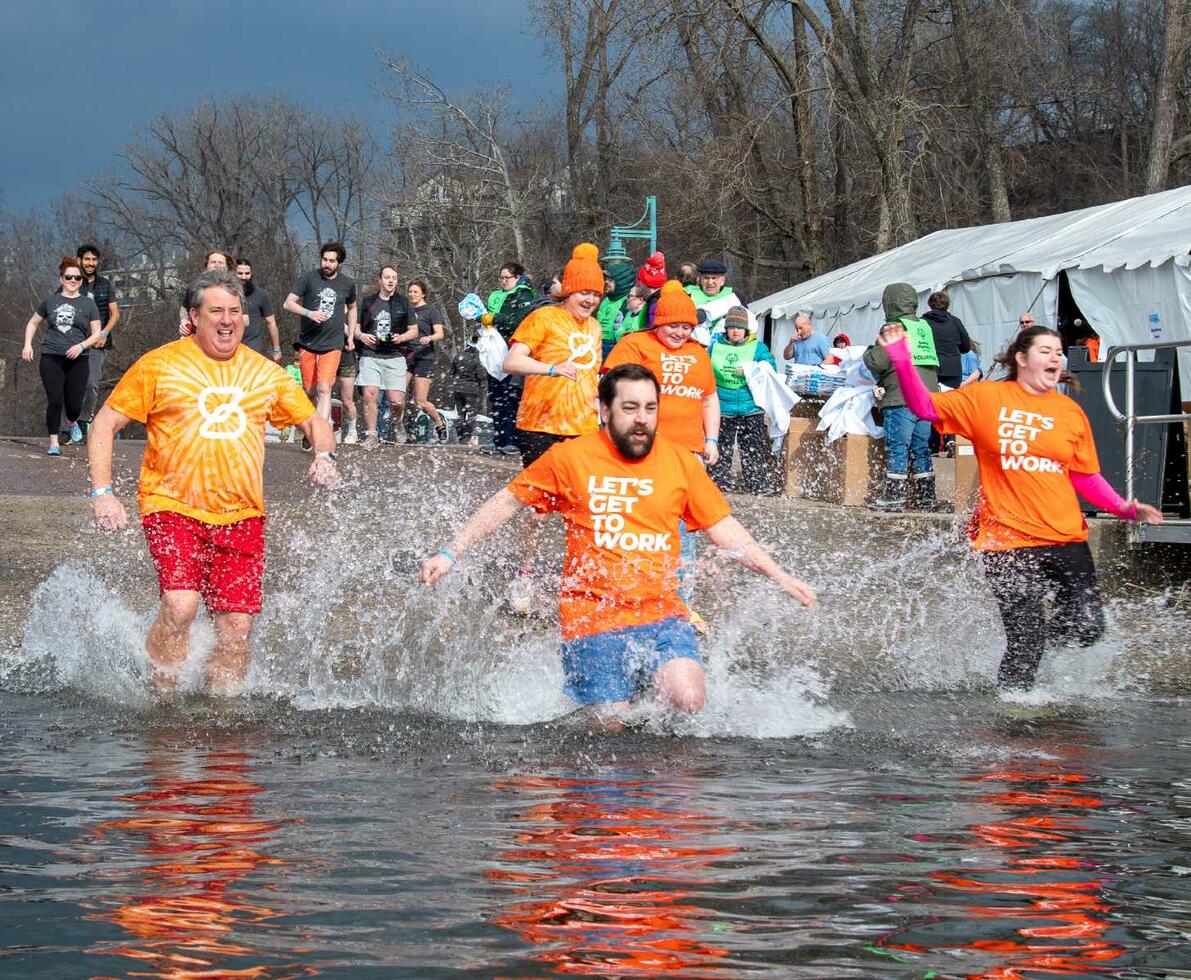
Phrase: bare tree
[1176,43]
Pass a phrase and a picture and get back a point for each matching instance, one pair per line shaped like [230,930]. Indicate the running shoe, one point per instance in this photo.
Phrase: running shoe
[370,441]
[441,433]
[352,438]
[305,444]
[76,434]
[53,451]
[510,450]
[521,593]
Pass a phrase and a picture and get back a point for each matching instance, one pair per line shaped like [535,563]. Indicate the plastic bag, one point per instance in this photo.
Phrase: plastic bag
[773,398]
[849,411]
[471,307]
[493,350]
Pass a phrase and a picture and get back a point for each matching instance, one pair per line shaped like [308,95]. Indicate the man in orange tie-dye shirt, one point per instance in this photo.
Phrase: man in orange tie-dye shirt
[204,401]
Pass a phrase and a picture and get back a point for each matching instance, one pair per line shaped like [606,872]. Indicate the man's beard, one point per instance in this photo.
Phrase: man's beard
[248,286]
[626,447]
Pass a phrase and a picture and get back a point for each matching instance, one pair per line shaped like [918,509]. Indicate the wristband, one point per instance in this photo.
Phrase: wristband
[275,350]
[711,439]
[448,554]
[101,491]
[550,373]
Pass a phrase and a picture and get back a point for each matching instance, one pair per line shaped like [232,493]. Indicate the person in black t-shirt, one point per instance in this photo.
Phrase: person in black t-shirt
[385,325]
[72,329]
[258,307]
[419,354]
[99,288]
[325,299]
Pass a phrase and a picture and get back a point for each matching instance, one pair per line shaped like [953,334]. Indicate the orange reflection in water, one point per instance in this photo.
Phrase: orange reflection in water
[606,869]
[201,835]
[1037,882]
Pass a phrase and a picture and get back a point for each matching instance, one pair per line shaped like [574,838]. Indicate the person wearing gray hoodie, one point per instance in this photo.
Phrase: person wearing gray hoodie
[909,473]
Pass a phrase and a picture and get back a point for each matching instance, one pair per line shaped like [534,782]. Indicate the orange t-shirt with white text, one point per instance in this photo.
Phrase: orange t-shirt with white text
[556,404]
[205,425]
[623,550]
[686,378]
[1025,445]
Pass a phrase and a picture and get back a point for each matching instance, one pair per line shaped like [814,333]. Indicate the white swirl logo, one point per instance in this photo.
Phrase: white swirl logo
[583,350]
[223,413]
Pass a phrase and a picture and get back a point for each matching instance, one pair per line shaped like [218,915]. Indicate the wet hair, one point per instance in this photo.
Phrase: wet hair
[84,249]
[1021,344]
[513,268]
[421,284]
[211,279]
[938,301]
[625,372]
[336,247]
[68,263]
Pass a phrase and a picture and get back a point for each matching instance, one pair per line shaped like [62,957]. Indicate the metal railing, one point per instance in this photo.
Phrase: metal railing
[1129,415]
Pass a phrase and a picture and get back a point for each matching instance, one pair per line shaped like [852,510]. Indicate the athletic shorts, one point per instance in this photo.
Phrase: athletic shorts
[534,444]
[619,665]
[347,365]
[421,365]
[222,562]
[386,373]
[318,368]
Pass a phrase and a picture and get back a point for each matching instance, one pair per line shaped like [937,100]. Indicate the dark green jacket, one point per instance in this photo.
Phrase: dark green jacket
[513,310]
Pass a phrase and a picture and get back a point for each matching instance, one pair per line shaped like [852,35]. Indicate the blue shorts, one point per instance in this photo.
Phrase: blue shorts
[619,665]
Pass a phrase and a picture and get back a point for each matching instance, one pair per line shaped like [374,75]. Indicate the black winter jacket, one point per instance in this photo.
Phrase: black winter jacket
[951,340]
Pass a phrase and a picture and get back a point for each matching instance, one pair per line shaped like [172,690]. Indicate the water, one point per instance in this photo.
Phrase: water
[405,793]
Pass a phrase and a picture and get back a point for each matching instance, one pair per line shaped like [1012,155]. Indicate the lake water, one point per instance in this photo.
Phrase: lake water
[403,793]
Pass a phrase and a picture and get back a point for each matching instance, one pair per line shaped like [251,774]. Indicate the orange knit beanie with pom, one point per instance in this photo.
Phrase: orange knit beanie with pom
[674,306]
[583,273]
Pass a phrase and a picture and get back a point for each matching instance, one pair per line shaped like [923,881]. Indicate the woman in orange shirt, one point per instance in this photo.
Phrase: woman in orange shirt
[1035,452]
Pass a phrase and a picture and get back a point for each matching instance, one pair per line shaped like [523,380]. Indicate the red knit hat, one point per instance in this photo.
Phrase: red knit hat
[653,273]
[583,273]
[674,306]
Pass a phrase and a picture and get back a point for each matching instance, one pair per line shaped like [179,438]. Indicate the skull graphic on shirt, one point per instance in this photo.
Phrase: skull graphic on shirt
[326,301]
[64,317]
[383,325]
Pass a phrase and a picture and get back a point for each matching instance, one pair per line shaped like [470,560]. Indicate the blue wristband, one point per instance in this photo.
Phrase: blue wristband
[550,373]
[100,491]
[448,554]
[712,439]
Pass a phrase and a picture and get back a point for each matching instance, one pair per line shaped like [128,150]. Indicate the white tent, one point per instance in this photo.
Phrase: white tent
[1127,265]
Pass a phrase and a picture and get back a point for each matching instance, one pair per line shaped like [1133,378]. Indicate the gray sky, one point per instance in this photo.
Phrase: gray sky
[79,76]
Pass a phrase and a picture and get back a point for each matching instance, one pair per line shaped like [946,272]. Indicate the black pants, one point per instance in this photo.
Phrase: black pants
[535,444]
[1022,581]
[504,398]
[465,406]
[937,441]
[756,470]
[65,383]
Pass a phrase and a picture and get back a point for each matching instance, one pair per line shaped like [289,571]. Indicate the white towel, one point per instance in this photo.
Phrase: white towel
[849,411]
[773,397]
[493,351]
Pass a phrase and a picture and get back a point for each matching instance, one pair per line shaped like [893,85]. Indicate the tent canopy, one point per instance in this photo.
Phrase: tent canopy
[1142,231]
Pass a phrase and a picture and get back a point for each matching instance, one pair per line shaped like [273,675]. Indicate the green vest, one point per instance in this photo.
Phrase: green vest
[606,314]
[921,341]
[631,323]
[701,298]
[725,357]
[496,299]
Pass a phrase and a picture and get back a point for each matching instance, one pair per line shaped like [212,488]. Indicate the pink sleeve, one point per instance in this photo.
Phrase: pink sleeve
[1099,493]
[913,390]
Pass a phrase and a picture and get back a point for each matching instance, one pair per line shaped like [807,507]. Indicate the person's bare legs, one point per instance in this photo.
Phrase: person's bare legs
[422,398]
[228,664]
[168,641]
[680,684]
[371,394]
[322,403]
[348,413]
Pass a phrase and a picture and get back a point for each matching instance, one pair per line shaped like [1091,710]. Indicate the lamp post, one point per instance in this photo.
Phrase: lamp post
[646,227]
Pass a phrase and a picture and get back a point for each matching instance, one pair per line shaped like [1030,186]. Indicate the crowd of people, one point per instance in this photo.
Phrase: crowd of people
[625,394]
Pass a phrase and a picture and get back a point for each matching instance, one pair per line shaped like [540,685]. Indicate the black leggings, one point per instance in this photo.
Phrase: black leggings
[65,383]
[1022,580]
[752,434]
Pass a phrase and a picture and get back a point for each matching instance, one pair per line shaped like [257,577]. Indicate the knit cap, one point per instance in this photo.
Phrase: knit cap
[738,316]
[583,273]
[653,273]
[674,306]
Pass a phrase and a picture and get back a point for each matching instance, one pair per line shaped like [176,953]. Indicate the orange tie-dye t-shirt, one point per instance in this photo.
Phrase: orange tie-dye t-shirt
[686,377]
[623,548]
[555,404]
[205,426]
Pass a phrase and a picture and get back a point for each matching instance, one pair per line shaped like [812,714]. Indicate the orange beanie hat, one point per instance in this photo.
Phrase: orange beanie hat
[583,272]
[674,306]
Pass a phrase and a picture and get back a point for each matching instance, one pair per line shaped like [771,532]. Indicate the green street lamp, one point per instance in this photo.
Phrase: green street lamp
[646,227]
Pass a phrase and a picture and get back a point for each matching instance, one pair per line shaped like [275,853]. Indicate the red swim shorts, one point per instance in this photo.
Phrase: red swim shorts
[222,562]
[318,368]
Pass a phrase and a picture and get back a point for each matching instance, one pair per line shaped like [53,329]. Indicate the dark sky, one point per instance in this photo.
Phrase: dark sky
[79,76]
